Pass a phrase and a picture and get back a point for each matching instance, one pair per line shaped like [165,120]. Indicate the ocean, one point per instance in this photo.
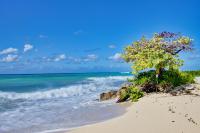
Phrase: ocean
[43,103]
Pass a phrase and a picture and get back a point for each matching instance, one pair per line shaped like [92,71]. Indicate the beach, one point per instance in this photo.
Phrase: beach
[48,102]
[99,66]
[71,101]
[154,113]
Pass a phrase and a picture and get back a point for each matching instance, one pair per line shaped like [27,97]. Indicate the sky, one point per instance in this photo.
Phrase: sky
[61,36]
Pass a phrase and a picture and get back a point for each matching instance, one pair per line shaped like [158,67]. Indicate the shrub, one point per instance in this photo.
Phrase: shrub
[135,93]
[131,80]
[194,73]
[131,92]
[145,77]
[149,83]
[176,78]
[169,80]
[123,95]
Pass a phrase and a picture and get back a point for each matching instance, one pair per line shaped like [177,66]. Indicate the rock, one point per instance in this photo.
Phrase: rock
[122,90]
[189,87]
[113,94]
[108,95]
[197,80]
[173,93]
[123,99]
[183,89]
[122,93]
[197,86]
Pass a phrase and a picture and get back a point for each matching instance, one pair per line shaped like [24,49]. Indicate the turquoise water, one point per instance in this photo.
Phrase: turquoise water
[41,102]
[29,83]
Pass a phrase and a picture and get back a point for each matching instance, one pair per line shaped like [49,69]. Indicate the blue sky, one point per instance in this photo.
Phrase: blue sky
[44,36]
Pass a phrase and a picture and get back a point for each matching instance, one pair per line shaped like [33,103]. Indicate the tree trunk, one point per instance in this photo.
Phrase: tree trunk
[159,73]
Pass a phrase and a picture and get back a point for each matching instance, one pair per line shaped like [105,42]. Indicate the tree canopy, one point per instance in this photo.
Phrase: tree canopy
[159,52]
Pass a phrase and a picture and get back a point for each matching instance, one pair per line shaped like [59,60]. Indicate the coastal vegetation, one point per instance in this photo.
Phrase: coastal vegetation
[134,93]
[194,73]
[155,64]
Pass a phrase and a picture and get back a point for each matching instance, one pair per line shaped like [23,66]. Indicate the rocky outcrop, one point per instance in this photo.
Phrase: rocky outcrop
[183,89]
[114,94]
[122,94]
[108,95]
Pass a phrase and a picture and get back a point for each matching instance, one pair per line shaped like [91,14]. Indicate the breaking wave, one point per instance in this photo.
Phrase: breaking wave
[90,85]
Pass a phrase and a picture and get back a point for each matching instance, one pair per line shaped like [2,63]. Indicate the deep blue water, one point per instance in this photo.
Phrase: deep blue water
[39,102]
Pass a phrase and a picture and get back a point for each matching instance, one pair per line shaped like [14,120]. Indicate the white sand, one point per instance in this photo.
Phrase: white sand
[155,113]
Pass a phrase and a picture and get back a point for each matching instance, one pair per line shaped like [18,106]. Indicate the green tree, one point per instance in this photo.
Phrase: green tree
[159,52]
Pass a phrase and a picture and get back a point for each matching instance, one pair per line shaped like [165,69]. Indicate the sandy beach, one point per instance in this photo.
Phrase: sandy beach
[154,113]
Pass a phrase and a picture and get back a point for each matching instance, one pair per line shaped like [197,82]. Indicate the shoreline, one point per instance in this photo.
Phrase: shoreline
[63,106]
[154,113]
[122,108]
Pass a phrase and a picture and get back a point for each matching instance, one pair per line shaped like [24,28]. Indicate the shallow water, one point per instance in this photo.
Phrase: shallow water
[36,103]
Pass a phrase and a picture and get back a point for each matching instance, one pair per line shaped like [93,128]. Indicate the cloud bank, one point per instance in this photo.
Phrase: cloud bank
[10,58]
[9,51]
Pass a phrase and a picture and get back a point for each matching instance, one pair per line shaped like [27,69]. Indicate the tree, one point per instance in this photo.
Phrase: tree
[159,52]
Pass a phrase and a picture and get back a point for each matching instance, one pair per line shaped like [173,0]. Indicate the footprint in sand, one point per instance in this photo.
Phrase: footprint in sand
[191,120]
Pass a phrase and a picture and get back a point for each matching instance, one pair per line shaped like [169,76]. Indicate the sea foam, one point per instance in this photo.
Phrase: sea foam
[69,106]
[90,85]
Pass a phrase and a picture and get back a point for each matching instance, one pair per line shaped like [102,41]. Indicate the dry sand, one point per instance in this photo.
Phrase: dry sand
[155,113]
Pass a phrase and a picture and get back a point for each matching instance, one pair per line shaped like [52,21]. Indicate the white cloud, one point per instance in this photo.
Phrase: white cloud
[55,58]
[9,51]
[70,59]
[112,46]
[10,58]
[60,57]
[28,47]
[116,57]
[91,57]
